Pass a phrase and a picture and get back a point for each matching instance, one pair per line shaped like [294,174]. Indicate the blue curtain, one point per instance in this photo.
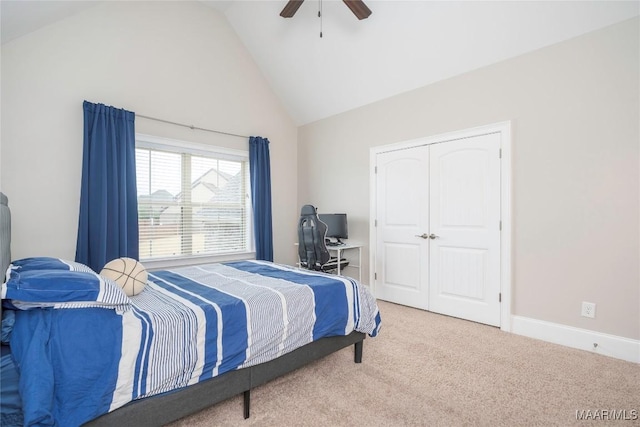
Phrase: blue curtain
[108,225]
[260,170]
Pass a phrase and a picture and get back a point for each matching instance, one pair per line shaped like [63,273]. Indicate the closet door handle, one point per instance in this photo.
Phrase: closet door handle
[423,236]
[433,236]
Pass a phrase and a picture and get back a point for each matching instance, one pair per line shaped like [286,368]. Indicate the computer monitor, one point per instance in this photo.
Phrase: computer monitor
[336,225]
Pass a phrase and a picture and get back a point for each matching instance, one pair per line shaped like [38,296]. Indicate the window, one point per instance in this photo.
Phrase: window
[192,200]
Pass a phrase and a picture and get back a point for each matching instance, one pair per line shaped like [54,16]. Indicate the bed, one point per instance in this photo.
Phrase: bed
[194,337]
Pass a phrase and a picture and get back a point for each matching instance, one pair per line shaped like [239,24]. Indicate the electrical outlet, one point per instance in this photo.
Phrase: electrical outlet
[588,309]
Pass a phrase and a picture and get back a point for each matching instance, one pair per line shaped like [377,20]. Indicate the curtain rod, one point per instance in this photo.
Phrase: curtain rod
[192,127]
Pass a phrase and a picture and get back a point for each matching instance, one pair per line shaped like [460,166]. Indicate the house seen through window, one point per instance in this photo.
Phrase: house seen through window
[191,202]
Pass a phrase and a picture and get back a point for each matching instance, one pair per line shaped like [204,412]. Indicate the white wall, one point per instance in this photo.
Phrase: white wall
[574,109]
[178,61]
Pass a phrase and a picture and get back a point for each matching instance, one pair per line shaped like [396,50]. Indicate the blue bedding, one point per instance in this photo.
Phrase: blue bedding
[10,402]
[188,325]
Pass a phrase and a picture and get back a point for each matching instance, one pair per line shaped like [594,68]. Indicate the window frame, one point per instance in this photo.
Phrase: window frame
[151,142]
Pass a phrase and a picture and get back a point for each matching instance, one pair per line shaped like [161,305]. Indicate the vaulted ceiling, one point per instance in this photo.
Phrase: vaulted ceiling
[403,45]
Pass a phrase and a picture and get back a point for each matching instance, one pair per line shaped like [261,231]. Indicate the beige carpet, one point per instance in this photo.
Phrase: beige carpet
[426,369]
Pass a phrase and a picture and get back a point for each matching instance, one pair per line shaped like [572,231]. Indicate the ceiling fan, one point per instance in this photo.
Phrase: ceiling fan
[357,7]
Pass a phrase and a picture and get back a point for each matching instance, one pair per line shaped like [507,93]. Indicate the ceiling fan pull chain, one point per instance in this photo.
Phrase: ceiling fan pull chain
[320,16]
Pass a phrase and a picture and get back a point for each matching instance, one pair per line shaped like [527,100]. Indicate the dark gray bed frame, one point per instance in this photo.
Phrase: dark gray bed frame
[168,407]
[165,408]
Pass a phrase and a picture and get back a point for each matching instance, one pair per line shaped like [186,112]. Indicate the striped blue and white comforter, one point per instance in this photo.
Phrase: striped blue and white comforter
[188,325]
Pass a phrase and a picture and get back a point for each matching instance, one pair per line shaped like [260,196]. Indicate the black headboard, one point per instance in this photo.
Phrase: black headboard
[5,235]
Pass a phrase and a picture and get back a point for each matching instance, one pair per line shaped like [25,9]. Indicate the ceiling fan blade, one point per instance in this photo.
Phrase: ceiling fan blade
[358,8]
[291,8]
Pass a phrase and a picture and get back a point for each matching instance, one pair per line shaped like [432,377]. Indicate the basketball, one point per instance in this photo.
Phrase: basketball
[128,273]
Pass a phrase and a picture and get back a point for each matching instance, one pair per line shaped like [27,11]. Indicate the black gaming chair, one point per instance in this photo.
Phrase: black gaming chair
[312,248]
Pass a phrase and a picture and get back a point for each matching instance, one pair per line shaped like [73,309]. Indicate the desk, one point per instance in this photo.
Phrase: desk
[346,247]
[338,251]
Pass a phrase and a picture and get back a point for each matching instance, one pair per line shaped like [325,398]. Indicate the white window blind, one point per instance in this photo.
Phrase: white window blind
[192,201]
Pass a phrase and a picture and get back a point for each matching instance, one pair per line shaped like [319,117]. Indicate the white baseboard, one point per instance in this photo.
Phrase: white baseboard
[583,339]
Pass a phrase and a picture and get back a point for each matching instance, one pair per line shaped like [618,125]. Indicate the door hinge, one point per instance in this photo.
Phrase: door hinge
[375,169]
[500,225]
[375,222]
[375,276]
[500,153]
[500,297]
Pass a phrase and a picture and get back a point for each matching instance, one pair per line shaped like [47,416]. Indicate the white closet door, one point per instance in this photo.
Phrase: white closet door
[464,197]
[402,213]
